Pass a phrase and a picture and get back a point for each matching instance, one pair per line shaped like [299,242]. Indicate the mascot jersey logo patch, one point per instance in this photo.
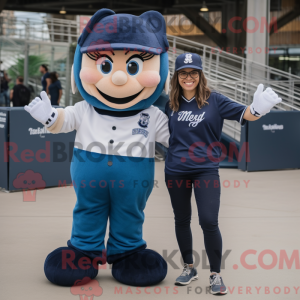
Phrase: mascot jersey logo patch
[143,122]
[188,58]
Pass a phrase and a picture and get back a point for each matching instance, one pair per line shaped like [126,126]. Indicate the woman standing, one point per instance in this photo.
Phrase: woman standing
[45,80]
[196,116]
[55,89]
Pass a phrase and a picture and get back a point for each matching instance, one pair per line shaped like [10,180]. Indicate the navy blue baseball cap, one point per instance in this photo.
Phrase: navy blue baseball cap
[107,30]
[188,60]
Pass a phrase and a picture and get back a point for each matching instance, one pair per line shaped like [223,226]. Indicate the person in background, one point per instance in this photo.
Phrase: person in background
[4,80]
[20,94]
[45,78]
[55,90]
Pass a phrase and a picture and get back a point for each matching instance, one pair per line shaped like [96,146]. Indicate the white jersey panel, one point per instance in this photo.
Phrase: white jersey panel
[132,136]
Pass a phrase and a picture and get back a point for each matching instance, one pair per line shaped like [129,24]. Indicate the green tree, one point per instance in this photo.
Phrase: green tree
[34,61]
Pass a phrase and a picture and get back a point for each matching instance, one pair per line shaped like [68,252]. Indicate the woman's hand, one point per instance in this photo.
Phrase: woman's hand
[263,101]
[42,111]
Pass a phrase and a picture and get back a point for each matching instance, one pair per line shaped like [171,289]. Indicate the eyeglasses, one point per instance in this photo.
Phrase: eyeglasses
[194,74]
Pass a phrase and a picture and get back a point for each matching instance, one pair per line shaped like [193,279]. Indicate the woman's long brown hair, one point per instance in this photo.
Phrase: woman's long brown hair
[202,92]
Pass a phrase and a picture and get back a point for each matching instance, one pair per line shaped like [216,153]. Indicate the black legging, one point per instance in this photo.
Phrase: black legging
[207,191]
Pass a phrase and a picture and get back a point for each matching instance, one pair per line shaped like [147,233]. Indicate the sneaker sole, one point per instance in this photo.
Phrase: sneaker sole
[222,293]
[188,282]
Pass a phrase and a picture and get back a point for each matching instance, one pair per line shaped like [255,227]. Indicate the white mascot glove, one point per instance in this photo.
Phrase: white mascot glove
[263,101]
[42,111]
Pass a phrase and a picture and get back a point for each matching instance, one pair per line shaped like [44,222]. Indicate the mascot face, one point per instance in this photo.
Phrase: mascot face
[121,60]
[120,79]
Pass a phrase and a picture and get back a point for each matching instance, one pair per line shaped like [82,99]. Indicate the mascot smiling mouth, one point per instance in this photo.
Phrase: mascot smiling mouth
[119,100]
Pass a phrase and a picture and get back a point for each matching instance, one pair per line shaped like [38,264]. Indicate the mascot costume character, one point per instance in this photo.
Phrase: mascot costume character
[120,69]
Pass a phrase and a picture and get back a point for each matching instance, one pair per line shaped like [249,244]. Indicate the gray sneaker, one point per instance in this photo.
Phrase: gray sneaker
[216,284]
[188,274]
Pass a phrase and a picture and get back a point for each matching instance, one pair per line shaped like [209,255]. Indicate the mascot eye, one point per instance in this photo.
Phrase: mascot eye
[134,66]
[104,66]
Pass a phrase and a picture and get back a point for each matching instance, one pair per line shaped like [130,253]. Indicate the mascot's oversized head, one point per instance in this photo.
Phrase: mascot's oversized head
[121,60]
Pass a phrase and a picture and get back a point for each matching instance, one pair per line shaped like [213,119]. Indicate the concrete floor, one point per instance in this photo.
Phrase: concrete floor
[263,216]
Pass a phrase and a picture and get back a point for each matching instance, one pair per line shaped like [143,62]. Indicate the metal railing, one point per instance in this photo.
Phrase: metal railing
[45,29]
[49,37]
